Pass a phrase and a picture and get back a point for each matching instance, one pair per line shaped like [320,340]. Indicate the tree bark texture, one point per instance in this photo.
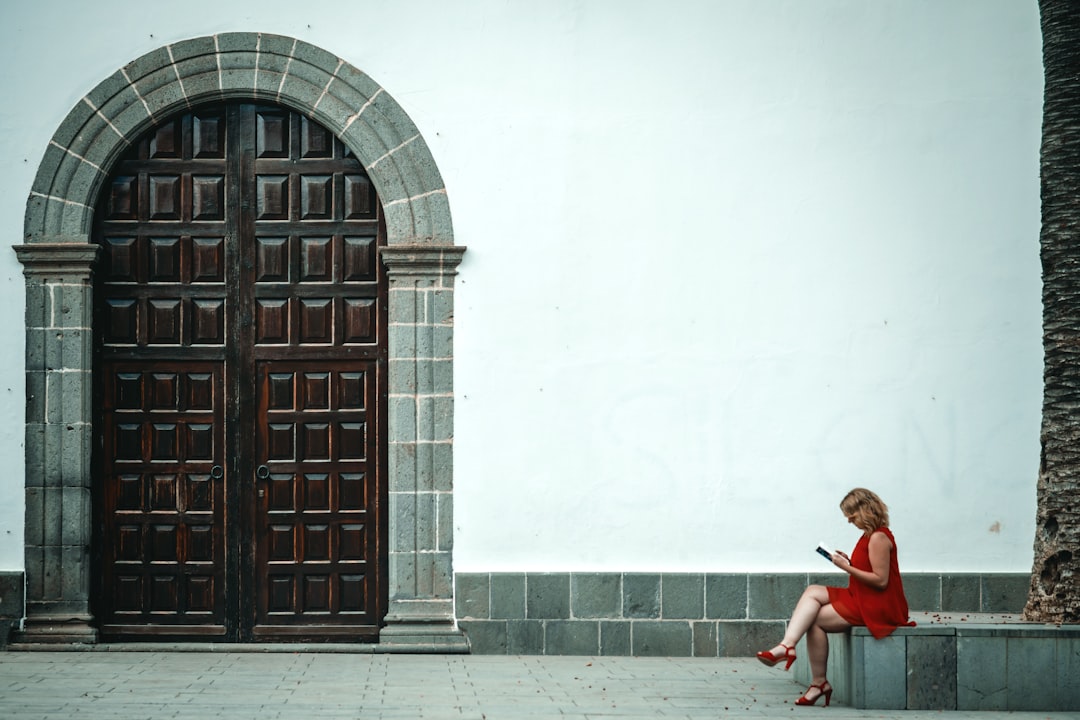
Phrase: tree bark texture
[1055,575]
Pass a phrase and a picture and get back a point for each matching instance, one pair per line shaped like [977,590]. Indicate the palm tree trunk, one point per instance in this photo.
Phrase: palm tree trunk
[1055,575]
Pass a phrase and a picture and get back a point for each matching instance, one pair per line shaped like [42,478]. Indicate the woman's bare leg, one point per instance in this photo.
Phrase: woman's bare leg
[817,650]
[817,644]
[813,617]
[805,613]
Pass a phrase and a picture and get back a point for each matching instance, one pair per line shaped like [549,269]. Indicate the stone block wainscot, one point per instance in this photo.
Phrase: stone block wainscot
[677,614]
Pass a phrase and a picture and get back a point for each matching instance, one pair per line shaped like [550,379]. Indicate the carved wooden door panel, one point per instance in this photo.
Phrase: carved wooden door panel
[240,384]
[318,367]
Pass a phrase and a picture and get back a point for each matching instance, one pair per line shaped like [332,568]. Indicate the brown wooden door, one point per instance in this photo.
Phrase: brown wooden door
[240,381]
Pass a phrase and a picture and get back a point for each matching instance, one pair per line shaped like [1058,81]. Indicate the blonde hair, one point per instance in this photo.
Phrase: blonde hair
[867,508]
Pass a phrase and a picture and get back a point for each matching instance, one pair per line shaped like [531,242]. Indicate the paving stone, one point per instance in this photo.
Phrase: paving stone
[307,684]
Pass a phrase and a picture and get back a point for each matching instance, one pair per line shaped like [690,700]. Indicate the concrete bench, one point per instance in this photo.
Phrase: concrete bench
[955,662]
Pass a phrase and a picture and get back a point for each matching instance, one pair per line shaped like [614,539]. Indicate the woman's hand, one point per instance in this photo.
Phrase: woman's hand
[841,560]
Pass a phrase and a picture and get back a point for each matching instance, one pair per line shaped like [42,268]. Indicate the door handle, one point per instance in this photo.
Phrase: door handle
[217,472]
[262,472]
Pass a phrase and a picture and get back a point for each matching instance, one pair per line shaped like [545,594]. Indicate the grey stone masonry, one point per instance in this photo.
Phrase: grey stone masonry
[675,614]
[260,66]
[11,603]
[58,440]
[420,430]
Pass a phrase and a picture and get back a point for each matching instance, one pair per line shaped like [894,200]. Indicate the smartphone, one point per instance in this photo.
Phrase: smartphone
[824,551]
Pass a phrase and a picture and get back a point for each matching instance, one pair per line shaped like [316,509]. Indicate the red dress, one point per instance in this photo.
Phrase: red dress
[881,611]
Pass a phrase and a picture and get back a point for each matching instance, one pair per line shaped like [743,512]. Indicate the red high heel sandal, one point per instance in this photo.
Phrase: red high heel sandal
[769,659]
[825,689]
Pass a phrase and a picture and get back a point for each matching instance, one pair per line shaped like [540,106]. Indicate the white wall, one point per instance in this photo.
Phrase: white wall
[727,259]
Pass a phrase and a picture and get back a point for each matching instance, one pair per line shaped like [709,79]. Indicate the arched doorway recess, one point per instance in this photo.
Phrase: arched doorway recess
[420,258]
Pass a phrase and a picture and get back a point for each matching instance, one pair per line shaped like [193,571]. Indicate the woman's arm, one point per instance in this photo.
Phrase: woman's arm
[878,576]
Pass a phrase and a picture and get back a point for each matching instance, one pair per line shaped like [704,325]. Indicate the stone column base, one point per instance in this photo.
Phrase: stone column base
[422,626]
[435,638]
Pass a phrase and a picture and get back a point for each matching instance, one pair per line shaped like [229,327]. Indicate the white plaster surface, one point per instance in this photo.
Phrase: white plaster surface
[727,259]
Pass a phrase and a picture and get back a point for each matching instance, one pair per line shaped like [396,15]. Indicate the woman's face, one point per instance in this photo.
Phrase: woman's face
[855,519]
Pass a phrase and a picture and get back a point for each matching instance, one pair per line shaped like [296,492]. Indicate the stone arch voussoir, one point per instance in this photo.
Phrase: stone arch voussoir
[239,65]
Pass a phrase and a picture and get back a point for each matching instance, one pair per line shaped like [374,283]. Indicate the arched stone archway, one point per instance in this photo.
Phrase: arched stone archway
[58,258]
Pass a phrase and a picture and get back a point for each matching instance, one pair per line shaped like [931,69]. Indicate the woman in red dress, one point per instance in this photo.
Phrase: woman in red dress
[874,596]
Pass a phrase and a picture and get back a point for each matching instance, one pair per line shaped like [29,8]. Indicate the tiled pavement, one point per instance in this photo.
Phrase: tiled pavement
[126,685]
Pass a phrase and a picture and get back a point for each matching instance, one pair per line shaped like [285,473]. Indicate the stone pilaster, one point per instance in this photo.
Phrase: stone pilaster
[420,433]
[59,431]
